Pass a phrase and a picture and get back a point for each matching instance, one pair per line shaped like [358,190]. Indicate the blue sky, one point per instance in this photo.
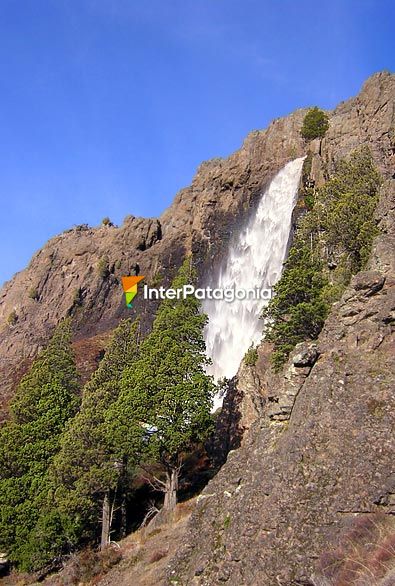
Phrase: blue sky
[108,106]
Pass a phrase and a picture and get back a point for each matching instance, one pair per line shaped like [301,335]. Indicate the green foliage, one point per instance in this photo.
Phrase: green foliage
[346,206]
[157,279]
[297,311]
[12,318]
[167,388]
[309,200]
[81,227]
[251,356]
[315,124]
[33,294]
[56,466]
[45,399]
[339,227]
[102,267]
[54,368]
[106,221]
[45,542]
[306,193]
[86,468]
[306,169]
[77,297]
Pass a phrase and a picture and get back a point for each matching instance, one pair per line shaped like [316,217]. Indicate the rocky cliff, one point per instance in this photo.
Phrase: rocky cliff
[78,272]
[318,453]
[318,449]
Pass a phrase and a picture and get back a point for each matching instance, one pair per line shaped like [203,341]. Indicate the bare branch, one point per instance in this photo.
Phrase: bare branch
[155,483]
[152,512]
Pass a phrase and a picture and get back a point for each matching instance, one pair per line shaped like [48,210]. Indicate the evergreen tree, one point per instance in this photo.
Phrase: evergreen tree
[338,231]
[297,311]
[315,124]
[87,471]
[46,398]
[167,390]
[345,208]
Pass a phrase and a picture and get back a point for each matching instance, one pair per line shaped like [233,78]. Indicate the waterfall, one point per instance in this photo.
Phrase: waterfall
[255,259]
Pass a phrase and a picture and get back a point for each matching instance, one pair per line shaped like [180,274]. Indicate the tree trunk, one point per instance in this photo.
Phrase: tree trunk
[106,521]
[123,527]
[171,490]
[122,482]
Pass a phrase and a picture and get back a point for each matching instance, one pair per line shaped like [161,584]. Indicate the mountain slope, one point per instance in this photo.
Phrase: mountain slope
[318,451]
[66,276]
[317,462]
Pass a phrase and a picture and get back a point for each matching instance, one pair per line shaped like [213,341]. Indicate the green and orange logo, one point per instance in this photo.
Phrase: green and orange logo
[129,285]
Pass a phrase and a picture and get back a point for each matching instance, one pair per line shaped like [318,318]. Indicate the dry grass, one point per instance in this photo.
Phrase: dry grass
[157,555]
[141,558]
[86,567]
[364,556]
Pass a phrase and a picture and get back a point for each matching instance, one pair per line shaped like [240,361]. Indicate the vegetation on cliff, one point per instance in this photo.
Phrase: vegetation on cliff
[45,400]
[63,472]
[332,242]
[168,387]
[86,471]
[315,124]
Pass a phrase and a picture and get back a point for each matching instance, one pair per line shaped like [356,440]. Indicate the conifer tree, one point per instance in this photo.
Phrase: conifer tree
[46,398]
[86,468]
[168,388]
[338,231]
[315,124]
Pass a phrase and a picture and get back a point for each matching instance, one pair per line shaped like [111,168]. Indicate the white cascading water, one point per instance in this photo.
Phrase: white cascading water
[255,259]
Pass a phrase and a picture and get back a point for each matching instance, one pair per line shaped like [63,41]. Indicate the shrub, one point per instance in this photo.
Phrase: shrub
[12,318]
[251,356]
[157,555]
[81,227]
[315,124]
[102,267]
[309,199]
[88,564]
[306,192]
[109,557]
[346,208]
[157,279]
[297,311]
[106,221]
[227,521]
[77,297]
[364,554]
[33,294]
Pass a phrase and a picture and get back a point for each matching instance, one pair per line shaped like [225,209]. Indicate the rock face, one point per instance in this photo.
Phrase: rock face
[320,451]
[66,276]
[63,277]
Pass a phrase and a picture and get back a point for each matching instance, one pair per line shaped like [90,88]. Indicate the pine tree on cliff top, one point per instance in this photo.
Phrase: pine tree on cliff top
[45,399]
[86,468]
[168,387]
